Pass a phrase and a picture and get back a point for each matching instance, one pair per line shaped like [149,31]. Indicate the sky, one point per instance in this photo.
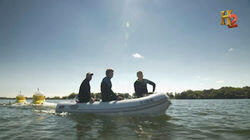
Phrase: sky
[178,44]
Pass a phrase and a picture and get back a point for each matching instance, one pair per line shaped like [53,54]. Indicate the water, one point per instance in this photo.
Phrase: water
[185,119]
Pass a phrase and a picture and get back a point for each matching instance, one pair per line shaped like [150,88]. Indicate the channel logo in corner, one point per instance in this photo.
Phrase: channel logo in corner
[230,18]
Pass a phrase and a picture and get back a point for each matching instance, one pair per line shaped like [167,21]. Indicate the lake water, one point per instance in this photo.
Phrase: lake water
[185,119]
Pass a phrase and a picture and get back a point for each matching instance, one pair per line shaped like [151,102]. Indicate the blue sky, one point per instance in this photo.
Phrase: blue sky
[178,44]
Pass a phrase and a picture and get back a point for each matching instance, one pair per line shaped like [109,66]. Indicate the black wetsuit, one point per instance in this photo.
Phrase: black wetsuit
[141,87]
[84,92]
[107,93]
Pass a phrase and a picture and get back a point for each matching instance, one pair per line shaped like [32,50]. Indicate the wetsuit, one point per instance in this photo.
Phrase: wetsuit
[141,87]
[84,92]
[107,93]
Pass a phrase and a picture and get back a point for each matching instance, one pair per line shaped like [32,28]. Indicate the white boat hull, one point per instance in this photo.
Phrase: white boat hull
[154,104]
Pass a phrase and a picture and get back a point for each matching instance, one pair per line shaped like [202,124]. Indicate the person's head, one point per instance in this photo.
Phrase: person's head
[140,75]
[109,73]
[89,76]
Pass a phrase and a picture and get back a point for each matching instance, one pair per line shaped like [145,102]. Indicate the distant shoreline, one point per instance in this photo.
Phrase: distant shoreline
[222,93]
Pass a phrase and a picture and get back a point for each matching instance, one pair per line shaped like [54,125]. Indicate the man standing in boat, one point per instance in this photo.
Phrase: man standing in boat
[84,91]
[140,85]
[106,85]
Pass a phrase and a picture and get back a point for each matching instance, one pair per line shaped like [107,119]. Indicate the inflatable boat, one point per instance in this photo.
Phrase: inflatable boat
[154,104]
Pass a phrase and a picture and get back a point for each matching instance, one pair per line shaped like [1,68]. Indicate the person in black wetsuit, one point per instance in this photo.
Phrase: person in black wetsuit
[140,85]
[106,85]
[84,91]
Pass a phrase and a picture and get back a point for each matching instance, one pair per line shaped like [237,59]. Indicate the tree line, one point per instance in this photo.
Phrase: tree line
[222,93]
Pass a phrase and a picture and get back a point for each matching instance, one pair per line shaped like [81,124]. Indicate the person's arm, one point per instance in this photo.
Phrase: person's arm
[113,96]
[86,95]
[104,91]
[136,89]
[110,95]
[151,83]
[80,95]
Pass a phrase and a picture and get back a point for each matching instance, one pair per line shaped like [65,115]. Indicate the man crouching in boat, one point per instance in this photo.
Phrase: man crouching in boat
[106,85]
[140,85]
[84,91]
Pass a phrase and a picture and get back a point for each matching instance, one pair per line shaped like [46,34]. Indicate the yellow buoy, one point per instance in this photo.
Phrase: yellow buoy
[20,99]
[38,97]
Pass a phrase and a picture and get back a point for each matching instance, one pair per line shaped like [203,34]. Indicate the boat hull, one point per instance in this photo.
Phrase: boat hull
[154,104]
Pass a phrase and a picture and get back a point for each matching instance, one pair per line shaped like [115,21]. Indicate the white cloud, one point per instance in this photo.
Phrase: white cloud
[231,49]
[127,24]
[137,55]
[219,82]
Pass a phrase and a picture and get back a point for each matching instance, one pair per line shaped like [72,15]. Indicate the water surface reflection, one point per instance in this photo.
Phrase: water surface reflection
[117,127]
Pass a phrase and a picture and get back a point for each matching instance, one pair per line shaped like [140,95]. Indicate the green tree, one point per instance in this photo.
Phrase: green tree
[72,96]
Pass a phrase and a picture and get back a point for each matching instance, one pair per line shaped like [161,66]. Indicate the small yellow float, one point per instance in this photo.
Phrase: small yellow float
[38,97]
[20,98]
